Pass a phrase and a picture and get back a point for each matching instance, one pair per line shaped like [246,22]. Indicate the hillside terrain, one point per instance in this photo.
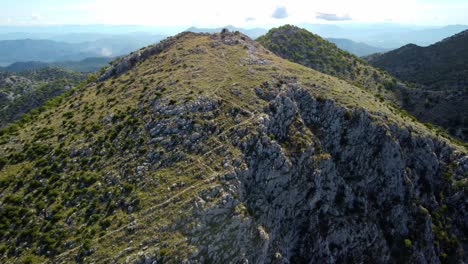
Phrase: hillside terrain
[208,148]
[441,66]
[442,70]
[303,47]
[22,92]
[440,107]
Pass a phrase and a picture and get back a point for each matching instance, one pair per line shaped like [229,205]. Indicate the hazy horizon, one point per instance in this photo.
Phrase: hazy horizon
[89,28]
[246,14]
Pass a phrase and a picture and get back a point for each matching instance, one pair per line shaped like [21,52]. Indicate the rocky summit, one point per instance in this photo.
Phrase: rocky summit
[208,148]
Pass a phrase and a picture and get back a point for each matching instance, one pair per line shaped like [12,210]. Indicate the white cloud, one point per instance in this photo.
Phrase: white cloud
[224,12]
[106,52]
[332,17]
[280,13]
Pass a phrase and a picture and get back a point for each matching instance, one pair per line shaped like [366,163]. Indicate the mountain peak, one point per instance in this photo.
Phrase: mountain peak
[290,30]
[125,63]
[210,148]
[303,47]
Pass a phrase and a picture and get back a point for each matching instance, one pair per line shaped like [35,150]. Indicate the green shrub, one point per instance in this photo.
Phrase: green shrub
[3,162]
[128,188]
[408,243]
[68,115]
[348,115]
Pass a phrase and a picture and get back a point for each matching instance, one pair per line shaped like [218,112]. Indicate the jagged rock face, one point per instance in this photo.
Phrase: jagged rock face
[358,204]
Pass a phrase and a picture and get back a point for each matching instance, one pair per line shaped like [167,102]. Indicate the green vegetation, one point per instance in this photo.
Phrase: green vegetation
[118,166]
[440,66]
[303,47]
[408,243]
[438,107]
[440,70]
[22,92]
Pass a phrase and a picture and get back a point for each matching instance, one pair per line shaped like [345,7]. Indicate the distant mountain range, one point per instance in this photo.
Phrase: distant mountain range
[86,65]
[53,31]
[51,44]
[388,36]
[42,50]
[356,48]
[45,50]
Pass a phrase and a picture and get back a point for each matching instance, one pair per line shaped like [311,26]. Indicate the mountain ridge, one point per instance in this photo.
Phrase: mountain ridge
[428,63]
[440,107]
[357,48]
[440,69]
[85,65]
[210,148]
[22,50]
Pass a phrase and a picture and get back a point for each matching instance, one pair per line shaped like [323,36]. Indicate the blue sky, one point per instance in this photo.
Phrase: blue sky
[246,13]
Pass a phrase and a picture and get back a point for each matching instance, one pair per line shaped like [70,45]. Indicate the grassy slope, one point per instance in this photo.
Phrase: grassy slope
[71,184]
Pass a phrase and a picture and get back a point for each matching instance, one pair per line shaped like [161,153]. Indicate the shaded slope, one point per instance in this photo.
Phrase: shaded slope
[208,148]
[441,66]
[442,70]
